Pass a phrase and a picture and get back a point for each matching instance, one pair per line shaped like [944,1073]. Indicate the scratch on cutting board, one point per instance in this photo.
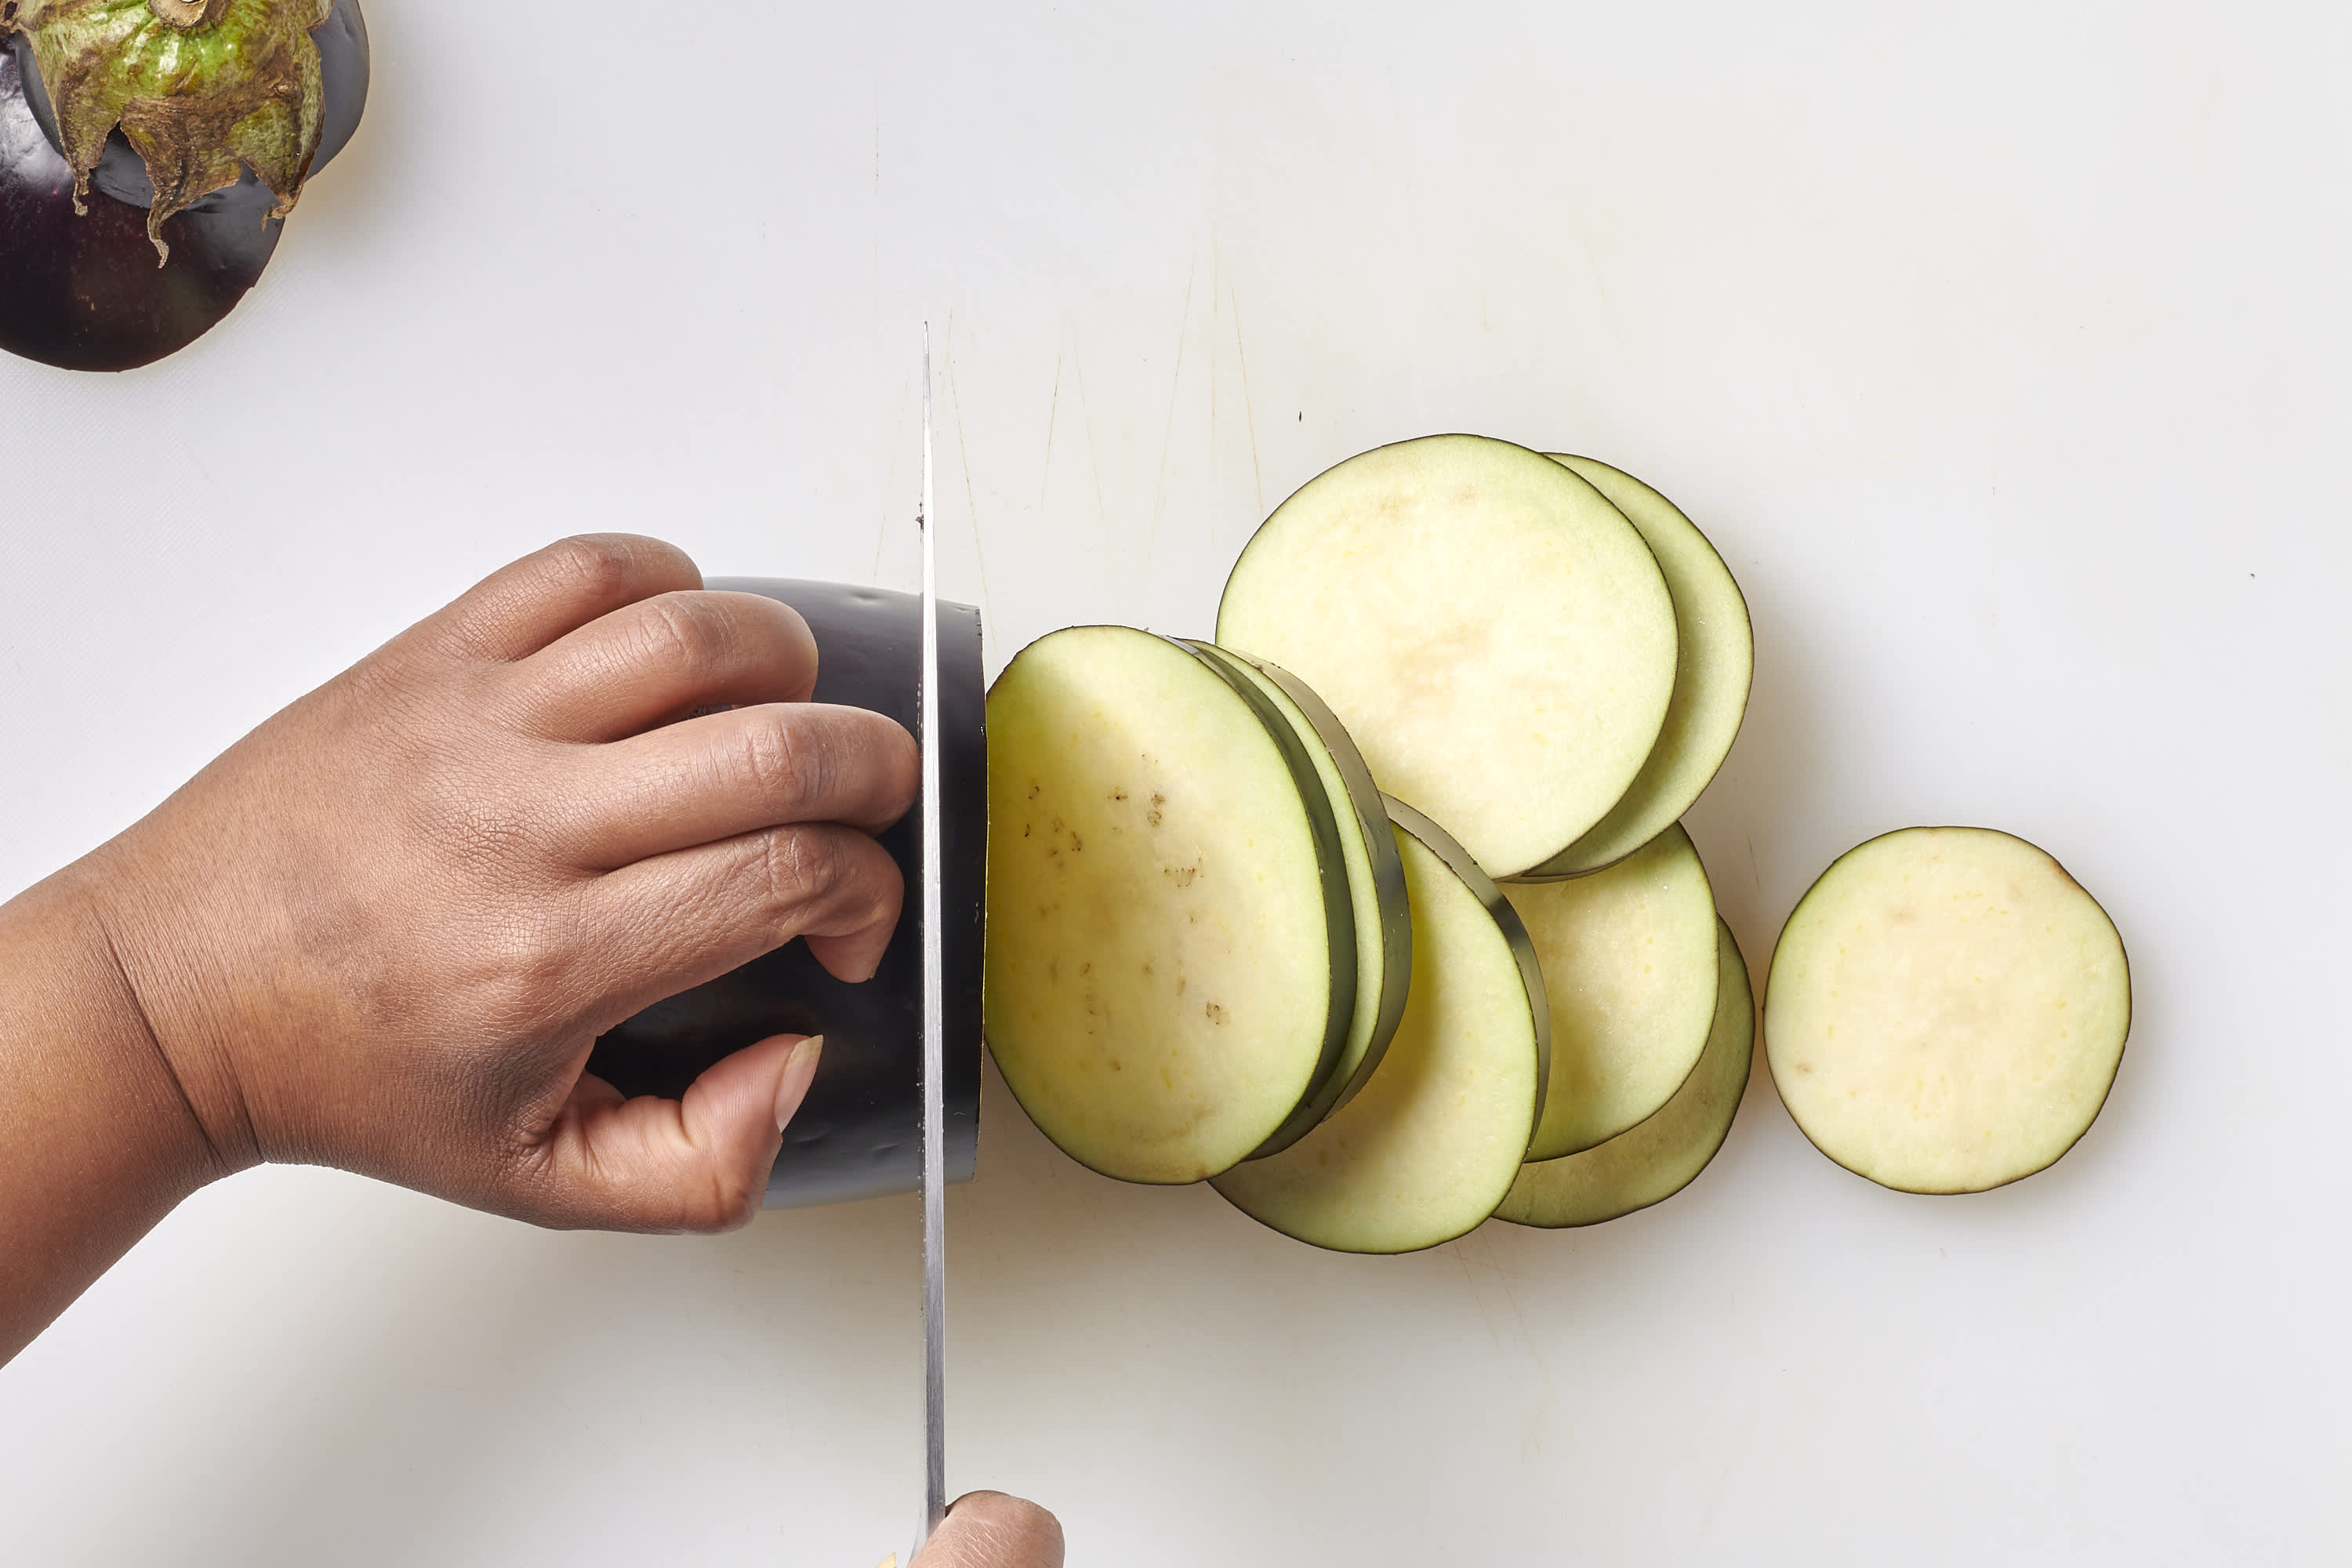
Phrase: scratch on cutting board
[1216,298]
[1526,1333]
[1463,1250]
[1249,409]
[971,500]
[1168,437]
[1478,1297]
[1052,412]
[1601,287]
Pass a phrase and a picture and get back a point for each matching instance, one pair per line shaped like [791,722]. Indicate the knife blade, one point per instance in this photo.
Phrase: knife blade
[935,1502]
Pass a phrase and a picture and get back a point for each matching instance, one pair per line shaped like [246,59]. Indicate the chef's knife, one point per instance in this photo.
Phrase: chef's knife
[935,1489]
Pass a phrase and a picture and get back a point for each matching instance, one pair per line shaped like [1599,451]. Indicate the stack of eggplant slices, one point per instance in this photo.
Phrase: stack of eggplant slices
[1377,912]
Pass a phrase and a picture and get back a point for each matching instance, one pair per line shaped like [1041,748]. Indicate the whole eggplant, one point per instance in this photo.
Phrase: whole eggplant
[95,274]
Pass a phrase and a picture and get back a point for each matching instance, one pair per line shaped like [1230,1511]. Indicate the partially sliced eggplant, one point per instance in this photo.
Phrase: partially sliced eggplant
[1711,680]
[1170,969]
[1495,635]
[1946,1010]
[1428,1148]
[859,1133]
[1628,963]
[1383,917]
[1651,1162]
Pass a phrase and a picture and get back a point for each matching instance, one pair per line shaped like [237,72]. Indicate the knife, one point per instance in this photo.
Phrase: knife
[935,1241]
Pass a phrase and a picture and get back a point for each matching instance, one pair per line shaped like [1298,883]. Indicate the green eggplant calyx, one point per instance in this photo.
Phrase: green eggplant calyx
[201,89]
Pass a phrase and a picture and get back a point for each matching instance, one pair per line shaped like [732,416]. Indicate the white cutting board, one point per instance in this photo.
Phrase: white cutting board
[2001,350]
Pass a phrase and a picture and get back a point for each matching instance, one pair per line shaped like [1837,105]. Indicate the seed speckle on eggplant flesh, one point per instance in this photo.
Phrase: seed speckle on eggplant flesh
[103,266]
[1161,981]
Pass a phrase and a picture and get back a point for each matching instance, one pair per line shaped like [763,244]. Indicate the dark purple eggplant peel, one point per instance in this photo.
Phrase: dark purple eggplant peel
[150,151]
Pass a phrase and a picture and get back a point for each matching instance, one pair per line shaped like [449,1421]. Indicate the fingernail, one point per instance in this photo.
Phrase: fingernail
[800,1071]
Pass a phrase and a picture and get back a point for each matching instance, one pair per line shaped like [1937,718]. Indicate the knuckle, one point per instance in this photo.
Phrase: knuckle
[993,1527]
[727,1202]
[824,881]
[686,632]
[787,770]
[595,564]
[801,865]
[524,962]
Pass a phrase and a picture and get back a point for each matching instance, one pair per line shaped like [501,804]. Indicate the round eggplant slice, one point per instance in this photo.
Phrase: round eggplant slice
[1628,963]
[1495,635]
[1169,970]
[1434,1141]
[1651,1162]
[860,1132]
[1717,664]
[1946,1010]
[1299,747]
[87,290]
[1383,919]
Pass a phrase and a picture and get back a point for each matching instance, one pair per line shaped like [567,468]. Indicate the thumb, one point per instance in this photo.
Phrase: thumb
[700,1164]
[990,1529]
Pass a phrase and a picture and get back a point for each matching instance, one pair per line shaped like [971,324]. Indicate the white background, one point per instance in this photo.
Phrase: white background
[2002,350]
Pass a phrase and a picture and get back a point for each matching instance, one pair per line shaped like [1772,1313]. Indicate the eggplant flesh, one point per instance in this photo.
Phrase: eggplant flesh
[83,290]
[860,1132]
[1945,1010]
[1434,1141]
[1375,877]
[1172,963]
[1458,597]
[1651,1162]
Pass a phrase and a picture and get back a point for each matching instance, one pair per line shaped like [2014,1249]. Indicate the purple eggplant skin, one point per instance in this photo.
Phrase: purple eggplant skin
[860,1132]
[83,292]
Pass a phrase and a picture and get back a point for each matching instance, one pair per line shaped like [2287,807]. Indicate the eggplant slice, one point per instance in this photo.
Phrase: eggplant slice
[1171,968]
[1649,1163]
[1496,636]
[83,290]
[1629,961]
[1375,882]
[1435,1140]
[1946,1010]
[1718,665]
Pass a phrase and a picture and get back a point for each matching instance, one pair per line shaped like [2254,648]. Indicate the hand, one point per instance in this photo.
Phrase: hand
[382,930]
[990,1529]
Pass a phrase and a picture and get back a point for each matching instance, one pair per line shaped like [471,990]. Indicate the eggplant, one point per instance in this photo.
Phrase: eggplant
[1651,1162]
[1945,1010]
[1716,668]
[1433,1144]
[1174,968]
[1455,598]
[98,273]
[860,1132]
[1629,954]
[1375,877]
